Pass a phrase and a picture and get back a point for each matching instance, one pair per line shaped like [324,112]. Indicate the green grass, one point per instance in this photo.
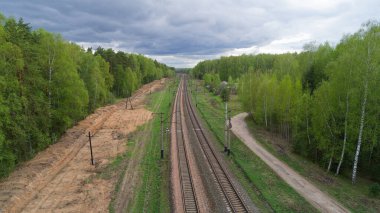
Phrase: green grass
[354,197]
[153,193]
[118,166]
[267,191]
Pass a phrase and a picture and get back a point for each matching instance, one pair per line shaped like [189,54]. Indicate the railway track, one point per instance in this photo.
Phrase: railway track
[189,199]
[231,196]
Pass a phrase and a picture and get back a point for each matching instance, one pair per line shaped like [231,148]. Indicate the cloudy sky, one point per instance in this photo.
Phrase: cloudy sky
[180,33]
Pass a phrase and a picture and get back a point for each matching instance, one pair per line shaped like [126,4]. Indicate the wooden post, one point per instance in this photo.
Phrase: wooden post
[226,128]
[229,135]
[162,132]
[130,101]
[92,157]
[196,91]
[162,135]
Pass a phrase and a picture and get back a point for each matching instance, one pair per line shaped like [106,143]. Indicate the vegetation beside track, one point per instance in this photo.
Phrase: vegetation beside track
[153,195]
[153,190]
[268,191]
[354,197]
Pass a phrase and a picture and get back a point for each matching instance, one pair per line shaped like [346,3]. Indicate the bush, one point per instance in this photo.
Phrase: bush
[225,94]
[374,189]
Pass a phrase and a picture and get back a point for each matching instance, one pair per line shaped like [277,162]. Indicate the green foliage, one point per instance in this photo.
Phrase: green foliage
[48,84]
[70,97]
[254,175]
[233,66]
[225,94]
[129,71]
[323,100]
[314,61]
[374,189]
[95,74]
[153,194]
[212,81]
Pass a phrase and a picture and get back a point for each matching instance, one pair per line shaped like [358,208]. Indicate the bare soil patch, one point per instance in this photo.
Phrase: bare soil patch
[57,179]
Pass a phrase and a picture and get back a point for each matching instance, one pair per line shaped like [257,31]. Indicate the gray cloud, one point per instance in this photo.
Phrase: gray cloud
[181,33]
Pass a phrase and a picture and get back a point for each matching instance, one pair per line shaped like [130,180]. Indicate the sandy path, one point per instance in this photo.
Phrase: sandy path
[58,178]
[316,197]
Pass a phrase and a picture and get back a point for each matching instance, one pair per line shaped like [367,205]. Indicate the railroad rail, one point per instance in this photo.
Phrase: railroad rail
[189,199]
[233,199]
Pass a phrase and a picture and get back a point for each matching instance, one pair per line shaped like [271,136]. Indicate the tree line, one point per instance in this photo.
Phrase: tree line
[48,84]
[324,100]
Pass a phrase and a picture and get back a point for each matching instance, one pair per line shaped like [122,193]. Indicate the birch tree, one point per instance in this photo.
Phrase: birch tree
[371,40]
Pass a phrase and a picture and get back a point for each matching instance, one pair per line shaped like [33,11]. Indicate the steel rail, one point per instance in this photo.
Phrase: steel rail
[234,199]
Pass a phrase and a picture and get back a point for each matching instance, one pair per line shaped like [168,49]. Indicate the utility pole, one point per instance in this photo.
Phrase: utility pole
[162,132]
[126,103]
[229,135]
[92,157]
[167,135]
[196,91]
[225,128]
[162,135]
[130,101]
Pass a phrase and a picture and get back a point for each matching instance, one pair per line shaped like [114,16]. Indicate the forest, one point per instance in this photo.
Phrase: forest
[324,100]
[48,84]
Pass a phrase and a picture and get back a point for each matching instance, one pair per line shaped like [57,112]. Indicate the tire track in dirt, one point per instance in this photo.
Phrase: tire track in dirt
[56,178]
[132,176]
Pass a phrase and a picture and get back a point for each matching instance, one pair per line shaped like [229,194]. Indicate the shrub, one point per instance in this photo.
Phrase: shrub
[225,94]
[374,189]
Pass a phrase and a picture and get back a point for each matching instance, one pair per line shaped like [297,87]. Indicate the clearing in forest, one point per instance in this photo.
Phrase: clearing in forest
[58,177]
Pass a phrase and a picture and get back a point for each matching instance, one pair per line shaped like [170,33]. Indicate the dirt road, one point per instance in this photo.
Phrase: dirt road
[59,179]
[316,197]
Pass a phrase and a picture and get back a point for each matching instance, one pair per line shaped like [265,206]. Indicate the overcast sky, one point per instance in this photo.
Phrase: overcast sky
[180,33]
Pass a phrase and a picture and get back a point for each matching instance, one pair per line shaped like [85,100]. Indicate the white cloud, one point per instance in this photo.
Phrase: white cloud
[287,44]
[240,51]
[182,32]
[321,5]
[178,61]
